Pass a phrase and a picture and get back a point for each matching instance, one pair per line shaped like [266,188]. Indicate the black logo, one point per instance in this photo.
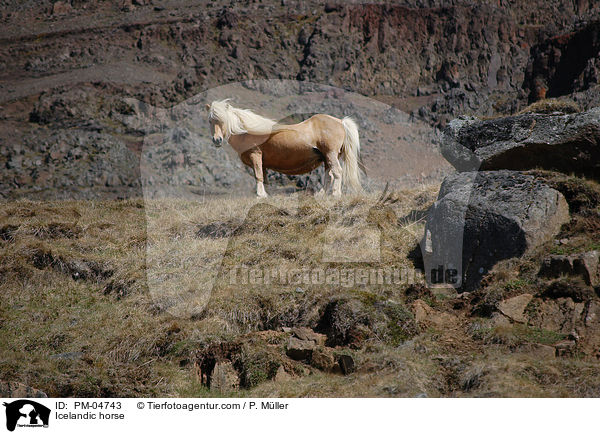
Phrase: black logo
[26,413]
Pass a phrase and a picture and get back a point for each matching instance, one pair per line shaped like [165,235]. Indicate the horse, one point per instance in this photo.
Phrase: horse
[262,143]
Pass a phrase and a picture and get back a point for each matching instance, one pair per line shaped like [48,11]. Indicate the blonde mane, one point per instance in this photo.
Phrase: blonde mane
[237,121]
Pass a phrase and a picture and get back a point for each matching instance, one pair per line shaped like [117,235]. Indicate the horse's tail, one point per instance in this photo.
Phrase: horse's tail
[351,155]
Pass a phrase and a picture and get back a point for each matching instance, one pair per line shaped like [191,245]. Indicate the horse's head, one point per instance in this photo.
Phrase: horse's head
[217,129]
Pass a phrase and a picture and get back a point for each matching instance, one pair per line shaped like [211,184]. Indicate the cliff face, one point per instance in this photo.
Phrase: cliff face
[65,67]
[565,64]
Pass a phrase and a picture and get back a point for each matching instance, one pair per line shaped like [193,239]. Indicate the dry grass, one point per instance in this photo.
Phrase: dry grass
[116,298]
[552,105]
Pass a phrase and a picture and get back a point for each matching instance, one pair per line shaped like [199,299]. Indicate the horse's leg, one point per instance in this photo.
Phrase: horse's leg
[265,177]
[325,180]
[335,172]
[256,159]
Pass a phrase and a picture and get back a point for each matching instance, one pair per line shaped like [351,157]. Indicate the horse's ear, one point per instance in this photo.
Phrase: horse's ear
[207,106]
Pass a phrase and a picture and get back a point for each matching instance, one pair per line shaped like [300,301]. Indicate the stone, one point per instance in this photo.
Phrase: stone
[61,8]
[514,308]
[481,218]
[499,320]
[561,315]
[567,143]
[306,334]
[346,363]
[565,348]
[584,265]
[425,314]
[323,359]
[13,389]
[127,5]
[556,265]
[299,349]
[281,375]
[224,378]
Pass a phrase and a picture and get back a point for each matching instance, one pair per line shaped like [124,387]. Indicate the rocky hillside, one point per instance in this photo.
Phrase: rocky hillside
[530,327]
[66,68]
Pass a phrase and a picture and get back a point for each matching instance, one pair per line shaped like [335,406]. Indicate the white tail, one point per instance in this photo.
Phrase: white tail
[350,153]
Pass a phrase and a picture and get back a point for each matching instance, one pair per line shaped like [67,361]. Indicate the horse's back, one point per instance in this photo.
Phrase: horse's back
[328,132]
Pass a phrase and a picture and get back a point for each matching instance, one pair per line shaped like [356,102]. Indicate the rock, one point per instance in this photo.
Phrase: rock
[565,348]
[224,377]
[485,217]
[425,314]
[499,320]
[281,375]
[422,311]
[12,389]
[61,8]
[127,5]
[584,265]
[556,265]
[564,143]
[306,334]
[561,315]
[346,363]
[514,308]
[568,287]
[298,349]
[551,58]
[323,359]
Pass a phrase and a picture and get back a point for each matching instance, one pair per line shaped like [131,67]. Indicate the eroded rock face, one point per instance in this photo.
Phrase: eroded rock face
[436,59]
[564,63]
[586,265]
[563,143]
[482,218]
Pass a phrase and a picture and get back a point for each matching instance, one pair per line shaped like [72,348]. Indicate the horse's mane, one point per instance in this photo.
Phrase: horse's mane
[240,121]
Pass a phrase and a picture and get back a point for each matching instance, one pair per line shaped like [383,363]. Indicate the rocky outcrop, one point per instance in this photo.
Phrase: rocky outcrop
[565,63]
[564,143]
[250,359]
[481,218]
[67,66]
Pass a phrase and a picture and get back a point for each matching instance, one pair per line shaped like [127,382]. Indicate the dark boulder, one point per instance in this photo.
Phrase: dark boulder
[564,143]
[481,218]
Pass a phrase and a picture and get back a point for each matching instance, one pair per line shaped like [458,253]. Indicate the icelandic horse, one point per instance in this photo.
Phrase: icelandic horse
[294,149]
